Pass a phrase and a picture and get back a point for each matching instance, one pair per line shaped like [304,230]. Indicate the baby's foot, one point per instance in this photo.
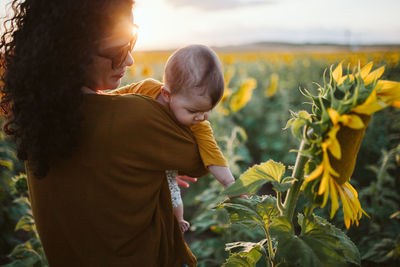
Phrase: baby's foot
[184,225]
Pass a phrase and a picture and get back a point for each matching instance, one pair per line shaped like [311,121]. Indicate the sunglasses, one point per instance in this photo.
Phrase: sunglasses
[118,55]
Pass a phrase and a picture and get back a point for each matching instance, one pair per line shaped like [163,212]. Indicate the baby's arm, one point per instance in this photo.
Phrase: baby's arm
[176,199]
[211,154]
[149,87]
[222,174]
[178,211]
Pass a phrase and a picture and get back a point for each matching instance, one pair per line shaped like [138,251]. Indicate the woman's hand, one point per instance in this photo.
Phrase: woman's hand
[180,178]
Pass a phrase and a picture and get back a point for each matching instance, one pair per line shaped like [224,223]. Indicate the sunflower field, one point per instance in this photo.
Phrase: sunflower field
[313,140]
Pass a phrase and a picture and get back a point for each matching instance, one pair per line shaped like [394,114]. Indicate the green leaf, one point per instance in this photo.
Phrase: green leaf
[304,115]
[244,246]
[289,123]
[253,212]
[281,187]
[24,255]
[379,251]
[319,244]
[329,243]
[291,248]
[7,163]
[22,201]
[250,255]
[244,215]
[289,179]
[281,228]
[284,185]
[26,223]
[297,127]
[251,180]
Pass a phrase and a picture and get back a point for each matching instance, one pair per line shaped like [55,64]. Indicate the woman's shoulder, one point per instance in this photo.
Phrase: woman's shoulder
[127,105]
[142,87]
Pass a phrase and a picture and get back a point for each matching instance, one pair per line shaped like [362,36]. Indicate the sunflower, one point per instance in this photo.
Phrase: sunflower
[243,95]
[342,139]
[273,86]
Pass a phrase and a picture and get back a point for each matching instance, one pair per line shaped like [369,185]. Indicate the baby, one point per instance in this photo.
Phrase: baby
[193,85]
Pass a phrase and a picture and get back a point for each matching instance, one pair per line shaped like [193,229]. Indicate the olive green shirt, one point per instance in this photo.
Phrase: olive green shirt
[109,203]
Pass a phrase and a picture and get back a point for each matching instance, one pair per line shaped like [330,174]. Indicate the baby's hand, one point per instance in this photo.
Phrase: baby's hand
[180,178]
[184,225]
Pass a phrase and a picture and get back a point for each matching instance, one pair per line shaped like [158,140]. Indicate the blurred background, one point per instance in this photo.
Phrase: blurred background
[269,49]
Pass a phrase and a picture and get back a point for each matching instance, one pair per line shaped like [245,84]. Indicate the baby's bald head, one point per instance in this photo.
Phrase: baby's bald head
[195,69]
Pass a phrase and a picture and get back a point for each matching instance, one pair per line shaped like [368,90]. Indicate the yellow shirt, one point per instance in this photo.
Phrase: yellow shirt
[108,204]
[209,150]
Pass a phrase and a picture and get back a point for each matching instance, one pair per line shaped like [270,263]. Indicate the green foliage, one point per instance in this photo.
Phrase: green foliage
[330,243]
[380,243]
[319,243]
[249,255]
[19,237]
[30,252]
[210,227]
[256,176]
[252,212]
[10,211]
[291,249]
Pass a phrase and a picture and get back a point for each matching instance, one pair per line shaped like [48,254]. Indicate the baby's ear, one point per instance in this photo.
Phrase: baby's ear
[166,94]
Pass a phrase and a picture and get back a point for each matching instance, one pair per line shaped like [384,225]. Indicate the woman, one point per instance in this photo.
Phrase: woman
[95,162]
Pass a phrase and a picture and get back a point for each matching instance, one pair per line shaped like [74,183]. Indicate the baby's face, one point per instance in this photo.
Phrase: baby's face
[189,108]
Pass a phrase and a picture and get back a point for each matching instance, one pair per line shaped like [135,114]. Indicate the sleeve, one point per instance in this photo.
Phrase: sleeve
[174,188]
[149,87]
[209,150]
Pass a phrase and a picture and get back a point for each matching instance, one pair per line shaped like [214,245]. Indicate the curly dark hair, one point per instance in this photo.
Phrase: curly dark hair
[45,49]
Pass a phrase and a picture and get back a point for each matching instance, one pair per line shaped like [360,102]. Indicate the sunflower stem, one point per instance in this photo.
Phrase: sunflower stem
[294,192]
[271,254]
[281,208]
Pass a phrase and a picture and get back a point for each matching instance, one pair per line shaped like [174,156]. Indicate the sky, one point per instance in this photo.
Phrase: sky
[167,24]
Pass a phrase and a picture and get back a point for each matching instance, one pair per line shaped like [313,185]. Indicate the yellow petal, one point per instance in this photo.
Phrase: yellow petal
[243,95]
[334,115]
[334,146]
[375,75]
[335,173]
[396,104]
[351,189]
[347,222]
[329,167]
[273,85]
[324,185]
[228,74]
[353,121]
[315,174]
[366,70]
[347,211]
[334,198]
[227,93]
[326,195]
[370,106]
[349,76]
[337,73]
[388,91]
